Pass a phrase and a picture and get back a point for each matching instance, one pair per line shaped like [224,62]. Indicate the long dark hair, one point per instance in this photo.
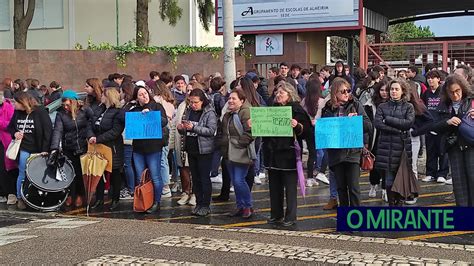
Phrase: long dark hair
[313,94]
[202,96]
[451,80]
[415,99]
[249,90]
[377,87]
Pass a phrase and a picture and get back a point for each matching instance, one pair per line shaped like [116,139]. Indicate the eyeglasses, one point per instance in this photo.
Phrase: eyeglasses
[346,91]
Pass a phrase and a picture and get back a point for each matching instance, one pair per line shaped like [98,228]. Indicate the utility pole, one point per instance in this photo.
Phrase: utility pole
[229,42]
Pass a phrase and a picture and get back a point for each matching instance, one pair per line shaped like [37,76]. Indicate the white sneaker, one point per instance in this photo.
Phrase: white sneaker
[428,178]
[175,188]
[166,193]
[232,189]
[441,180]
[309,182]
[3,199]
[192,200]
[262,175]
[256,180]
[217,179]
[384,195]
[411,202]
[184,199]
[322,177]
[11,199]
[373,191]
[449,181]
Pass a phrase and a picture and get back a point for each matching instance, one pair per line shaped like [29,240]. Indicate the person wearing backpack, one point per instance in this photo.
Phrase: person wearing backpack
[236,145]
[456,114]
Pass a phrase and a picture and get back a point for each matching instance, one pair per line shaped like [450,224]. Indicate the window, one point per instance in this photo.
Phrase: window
[48,15]
[5,15]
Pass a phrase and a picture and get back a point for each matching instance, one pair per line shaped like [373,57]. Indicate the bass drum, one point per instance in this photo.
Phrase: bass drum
[41,189]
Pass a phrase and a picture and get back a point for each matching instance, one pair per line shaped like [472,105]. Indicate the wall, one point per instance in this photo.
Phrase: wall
[72,68]
[294,52]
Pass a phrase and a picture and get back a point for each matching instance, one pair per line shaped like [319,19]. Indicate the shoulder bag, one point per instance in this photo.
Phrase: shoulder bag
[14,147]
[143,197]
[367,160]
[240,155]
[466,128]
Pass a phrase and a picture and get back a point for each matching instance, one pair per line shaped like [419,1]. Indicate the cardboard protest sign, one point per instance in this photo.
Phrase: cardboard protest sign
[143,125]
[271,121]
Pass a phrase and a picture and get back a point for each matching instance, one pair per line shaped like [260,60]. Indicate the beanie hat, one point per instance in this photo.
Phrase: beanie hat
[70,94]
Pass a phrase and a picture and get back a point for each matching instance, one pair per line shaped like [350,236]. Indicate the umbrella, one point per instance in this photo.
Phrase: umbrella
[103,150]
[93,166]
[405,182]
[299,170]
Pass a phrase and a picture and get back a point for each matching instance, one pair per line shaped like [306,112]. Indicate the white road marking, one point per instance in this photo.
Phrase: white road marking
[293,252]
[127,260]
[9,239]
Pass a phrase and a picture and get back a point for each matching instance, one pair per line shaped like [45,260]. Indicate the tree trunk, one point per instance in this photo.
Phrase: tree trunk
[142,34]
[229,42]
[21,22]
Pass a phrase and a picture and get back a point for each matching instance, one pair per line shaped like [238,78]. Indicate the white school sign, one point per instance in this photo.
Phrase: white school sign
[254,16]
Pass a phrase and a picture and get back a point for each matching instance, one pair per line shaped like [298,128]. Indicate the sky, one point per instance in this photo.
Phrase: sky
[455,26]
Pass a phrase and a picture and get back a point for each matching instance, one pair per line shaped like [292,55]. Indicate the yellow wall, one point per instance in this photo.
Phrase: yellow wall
[97,20]
[317,46]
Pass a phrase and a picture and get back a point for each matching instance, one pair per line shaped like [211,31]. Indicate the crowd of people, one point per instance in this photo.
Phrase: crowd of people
[207,134]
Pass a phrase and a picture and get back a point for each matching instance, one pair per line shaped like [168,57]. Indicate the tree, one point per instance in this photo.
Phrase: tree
[171,11]
[21,22]
[402,32]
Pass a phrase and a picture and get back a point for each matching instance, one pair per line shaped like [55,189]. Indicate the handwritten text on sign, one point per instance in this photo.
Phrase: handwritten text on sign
[143,125]
[271,121]
[339,133]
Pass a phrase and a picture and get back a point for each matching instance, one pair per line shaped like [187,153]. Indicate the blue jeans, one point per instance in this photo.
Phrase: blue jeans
[332,185]
[216,162]
[128,167]
[22,158]
[165,166]
[152,161]
[243,196]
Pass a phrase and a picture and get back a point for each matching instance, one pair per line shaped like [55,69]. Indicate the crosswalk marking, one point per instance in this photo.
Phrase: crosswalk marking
[68,224]
[9,239]
[112,259]
[300,253]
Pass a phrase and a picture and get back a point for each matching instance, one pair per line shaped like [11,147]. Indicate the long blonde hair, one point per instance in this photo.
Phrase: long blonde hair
[113,96]
[336,84]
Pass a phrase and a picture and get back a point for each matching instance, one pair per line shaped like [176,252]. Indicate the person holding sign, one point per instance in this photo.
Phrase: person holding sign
[147,152]
[280,158]
[199,126]
[236,145]
[345,161]
[107,129]
[393,120]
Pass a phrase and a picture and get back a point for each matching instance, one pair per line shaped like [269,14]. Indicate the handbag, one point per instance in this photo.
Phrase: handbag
[466,128]
[367,160]
[14,146]
[236,154]
[144,196]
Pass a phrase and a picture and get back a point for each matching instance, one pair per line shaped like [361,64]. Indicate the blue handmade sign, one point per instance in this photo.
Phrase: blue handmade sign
[339,132]
[143,125]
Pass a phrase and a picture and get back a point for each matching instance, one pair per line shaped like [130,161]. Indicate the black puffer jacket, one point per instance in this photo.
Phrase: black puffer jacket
[447,131]
[337,156]
[393,120]
[279,152]
[71,133]
[108,131]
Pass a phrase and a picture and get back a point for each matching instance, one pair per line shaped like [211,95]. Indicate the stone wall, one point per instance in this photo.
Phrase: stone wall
[71,68]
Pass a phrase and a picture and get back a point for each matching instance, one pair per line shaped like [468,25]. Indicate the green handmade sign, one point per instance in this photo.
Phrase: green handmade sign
[271,121]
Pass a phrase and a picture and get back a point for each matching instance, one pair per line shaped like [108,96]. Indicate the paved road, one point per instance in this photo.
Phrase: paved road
[176,236]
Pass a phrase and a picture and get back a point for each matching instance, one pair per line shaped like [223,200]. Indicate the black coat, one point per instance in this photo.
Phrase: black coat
[279,152]
[337,156]
[393,120]
[37,129]
[108,131]
[72,133]
[448,132]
